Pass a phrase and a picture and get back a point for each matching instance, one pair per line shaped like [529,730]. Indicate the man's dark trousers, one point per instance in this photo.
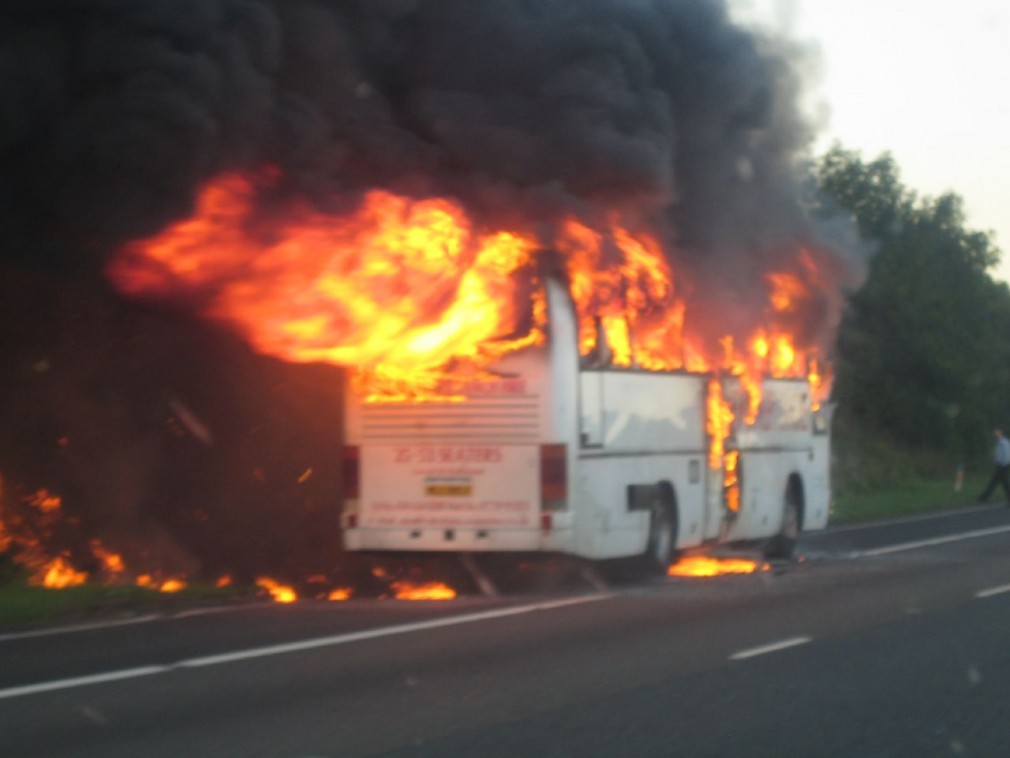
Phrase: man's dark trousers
[1000,476]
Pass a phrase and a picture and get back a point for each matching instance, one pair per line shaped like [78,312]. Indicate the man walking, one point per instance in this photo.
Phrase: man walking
[1001,474]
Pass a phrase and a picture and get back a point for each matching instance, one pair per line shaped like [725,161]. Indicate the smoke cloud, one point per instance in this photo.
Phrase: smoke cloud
[117,110]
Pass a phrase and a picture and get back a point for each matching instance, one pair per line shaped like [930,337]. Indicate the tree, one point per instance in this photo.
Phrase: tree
[922,357]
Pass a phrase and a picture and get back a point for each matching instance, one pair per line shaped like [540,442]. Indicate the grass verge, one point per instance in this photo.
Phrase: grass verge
[20,604]
[906,498]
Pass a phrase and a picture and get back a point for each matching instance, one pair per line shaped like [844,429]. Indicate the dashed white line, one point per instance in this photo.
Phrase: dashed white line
[80,681]
[293,647]
[79,628]
[146,618]
[773,647]
[386,631]
[191,613]
[993,591]
[900,547]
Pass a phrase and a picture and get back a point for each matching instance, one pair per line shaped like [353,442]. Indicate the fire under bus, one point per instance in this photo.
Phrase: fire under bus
[554,453]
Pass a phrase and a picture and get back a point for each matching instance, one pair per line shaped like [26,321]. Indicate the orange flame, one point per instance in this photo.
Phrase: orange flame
[340,594]
[112,563]
[45,501]
[172,585]
[418,299]
[427,591]
[58,573]
[787,291]
[399,283]
[718,425]
[630,296]
[279,592]
[731,480]
[708,566]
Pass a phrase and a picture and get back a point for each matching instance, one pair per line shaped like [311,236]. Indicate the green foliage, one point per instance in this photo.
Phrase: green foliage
[923,360]
[875,477]
[905,499]
[21,603]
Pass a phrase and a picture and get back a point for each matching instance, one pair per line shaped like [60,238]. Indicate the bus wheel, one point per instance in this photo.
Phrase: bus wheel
[783,545]
[662,538]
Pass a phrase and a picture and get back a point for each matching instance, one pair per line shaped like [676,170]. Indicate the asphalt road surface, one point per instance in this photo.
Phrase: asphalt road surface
[886,640]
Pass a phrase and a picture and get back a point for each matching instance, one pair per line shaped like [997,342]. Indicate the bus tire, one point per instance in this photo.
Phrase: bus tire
[662,543]
[783,545]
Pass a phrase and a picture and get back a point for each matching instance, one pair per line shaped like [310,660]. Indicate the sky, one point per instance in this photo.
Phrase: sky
[926,80]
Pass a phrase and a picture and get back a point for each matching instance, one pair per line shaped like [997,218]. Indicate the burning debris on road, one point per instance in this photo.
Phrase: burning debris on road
[203,196]
[707,566]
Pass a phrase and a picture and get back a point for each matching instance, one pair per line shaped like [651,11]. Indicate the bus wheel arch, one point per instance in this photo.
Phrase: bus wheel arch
[664,525]
[782,546]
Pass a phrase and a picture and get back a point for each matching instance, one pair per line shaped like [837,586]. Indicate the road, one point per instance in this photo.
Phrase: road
[888,640]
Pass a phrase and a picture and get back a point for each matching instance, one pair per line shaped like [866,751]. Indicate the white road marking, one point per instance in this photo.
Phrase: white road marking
[753,652]
[79,628]
[386,631]
[902,546]
[80,681]
[993,591]
[96,625]
[213,610]
[293,647]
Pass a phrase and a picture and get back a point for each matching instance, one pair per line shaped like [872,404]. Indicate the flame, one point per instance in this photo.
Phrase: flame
[419,299]
[819,378]
[398,283]
[339,594]
[112,563]
[708,566]
[44,501]
[731,480]
[279,592]
[59,573]
[718,425]
[28,526]
[787,291]
[630,297]
[172,584]
[426,591]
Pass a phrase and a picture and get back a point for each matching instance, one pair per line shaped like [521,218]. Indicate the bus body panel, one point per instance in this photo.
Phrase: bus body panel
[601,489]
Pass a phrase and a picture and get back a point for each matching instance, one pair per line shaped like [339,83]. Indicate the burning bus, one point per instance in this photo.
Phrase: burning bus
[553,451]
[513,393]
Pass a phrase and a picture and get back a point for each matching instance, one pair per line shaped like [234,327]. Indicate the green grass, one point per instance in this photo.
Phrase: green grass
[20,603]
[906,498]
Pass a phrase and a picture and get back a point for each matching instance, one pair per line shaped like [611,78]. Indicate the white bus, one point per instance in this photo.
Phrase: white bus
[600,463]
